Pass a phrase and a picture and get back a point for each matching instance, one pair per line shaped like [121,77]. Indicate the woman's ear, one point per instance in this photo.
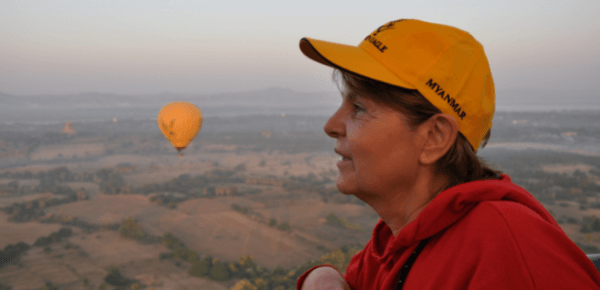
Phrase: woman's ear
[441,131]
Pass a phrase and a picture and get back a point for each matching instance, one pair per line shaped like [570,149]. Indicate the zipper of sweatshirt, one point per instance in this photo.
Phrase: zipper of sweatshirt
[409,263]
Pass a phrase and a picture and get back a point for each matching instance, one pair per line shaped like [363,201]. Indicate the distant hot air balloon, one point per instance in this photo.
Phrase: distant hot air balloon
[180,122]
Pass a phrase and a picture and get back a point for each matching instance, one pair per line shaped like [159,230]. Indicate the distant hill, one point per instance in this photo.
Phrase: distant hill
[546,100]
[98,106]
[93,107]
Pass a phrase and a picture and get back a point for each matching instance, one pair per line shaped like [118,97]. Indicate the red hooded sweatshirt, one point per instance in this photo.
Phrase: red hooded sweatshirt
[489,234]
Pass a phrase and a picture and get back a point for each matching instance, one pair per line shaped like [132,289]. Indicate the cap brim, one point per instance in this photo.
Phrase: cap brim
[350,59]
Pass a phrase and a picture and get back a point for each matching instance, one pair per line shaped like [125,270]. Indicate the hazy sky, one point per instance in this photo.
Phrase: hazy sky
[200,47]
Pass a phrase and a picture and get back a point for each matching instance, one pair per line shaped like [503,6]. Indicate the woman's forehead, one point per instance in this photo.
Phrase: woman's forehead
[351,96]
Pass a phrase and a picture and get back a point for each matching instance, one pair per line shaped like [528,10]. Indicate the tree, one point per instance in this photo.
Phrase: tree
[247,262]
[219,272]
[244,285]
[261,284]
[115,278]
[200,268]
[272,222]
[113,183]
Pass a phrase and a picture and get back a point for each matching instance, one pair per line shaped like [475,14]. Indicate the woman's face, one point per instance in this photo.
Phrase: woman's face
[380,151]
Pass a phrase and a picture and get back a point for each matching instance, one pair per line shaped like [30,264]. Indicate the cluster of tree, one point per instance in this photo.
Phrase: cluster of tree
[548,187]
[335,220]
[524,170]
[12,253]
[284,226]
[310,183]
[206,266]
[588,249]
[12,188]
[590,224]
[34,209]
[24,212]
[252,274]
[190,186]
[17,175]
[53,237]
[133,230]
[184,184]
[74,221]
[257,278]
[167,199]
[110,182]
[178,249]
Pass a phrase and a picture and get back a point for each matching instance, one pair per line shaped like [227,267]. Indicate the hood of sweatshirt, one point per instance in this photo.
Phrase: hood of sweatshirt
[447,208]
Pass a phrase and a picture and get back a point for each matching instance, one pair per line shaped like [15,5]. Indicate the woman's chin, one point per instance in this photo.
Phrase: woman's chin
[345,185]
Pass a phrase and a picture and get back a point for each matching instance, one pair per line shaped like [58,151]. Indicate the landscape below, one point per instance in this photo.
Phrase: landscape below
[252,204]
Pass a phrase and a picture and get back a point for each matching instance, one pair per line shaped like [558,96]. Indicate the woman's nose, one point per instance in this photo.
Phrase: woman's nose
[334,127]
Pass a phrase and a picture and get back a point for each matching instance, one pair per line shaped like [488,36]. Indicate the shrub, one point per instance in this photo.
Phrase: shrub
[200,268]
[219,272]
[163,256]
[284,226]
[240,209]
[42,241]
[278,271]
[272,222]
[65,233]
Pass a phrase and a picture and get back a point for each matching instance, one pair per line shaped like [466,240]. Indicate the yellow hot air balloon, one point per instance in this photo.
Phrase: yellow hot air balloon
[180,122]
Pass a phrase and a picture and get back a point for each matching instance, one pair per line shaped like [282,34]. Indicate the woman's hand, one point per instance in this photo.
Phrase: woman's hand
[325,278]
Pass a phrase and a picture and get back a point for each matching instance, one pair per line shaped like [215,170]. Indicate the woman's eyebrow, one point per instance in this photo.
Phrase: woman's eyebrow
[351,96]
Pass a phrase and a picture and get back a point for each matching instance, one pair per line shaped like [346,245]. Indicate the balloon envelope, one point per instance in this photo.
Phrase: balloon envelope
[180,122]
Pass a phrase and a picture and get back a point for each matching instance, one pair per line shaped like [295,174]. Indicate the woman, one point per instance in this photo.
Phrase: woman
[418,101]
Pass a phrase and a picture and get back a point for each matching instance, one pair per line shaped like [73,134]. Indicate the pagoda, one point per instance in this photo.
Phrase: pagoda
[67,129]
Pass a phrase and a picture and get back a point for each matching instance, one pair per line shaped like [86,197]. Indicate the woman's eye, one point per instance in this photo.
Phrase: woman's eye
[358,110]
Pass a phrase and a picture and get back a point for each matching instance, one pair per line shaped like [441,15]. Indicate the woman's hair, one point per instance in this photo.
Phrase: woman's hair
[459,164]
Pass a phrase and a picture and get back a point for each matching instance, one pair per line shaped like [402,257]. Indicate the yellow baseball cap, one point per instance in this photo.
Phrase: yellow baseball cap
[445,64]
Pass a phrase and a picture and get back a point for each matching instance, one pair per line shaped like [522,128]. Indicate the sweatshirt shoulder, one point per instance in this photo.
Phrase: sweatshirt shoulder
[512,218]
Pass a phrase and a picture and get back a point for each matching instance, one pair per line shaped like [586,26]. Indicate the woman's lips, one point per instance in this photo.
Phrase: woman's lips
[346,161]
